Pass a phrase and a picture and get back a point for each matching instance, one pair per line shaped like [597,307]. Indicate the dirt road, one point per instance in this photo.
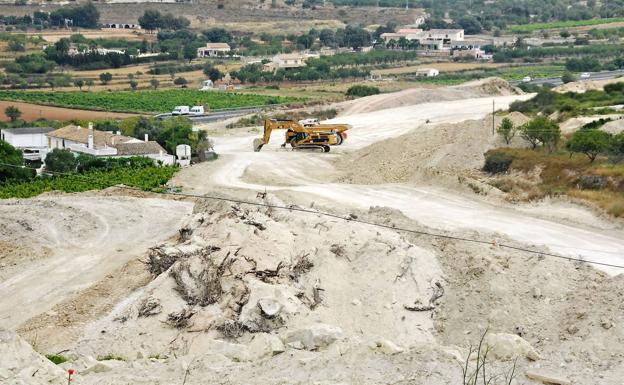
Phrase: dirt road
[88,236]
[306,177]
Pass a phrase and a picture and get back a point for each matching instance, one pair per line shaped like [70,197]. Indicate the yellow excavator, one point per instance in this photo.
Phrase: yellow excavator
[304,136]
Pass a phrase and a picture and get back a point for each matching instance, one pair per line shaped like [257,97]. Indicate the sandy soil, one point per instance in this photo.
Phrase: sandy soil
[31,112]
[88,237]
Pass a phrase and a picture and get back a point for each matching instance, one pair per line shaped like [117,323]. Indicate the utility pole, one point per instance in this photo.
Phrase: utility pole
[493,113]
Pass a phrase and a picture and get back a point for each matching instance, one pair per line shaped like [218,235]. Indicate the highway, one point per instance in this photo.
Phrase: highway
[556,81]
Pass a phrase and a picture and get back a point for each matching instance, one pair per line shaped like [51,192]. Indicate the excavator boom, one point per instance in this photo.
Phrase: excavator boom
[299,136]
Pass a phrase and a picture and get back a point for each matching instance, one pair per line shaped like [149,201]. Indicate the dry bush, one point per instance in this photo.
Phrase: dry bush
[180,319]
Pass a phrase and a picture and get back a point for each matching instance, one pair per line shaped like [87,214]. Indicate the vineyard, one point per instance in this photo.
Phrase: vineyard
[157,101]
[146,178]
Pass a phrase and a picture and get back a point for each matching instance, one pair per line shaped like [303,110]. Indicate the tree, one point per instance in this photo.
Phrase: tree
[106,77]
[507,130]
[616,148]
[470,24]
[89,83]
[564,34]
[589,142]
[16,46]
[327,37]
[154,83]
[10,157]
[62,46]
[150,20]
[190,52]
[568,77]
[541,130]
[180,81]
[134,84]
[79,83]
[12,113]
[213,72]
[60,161]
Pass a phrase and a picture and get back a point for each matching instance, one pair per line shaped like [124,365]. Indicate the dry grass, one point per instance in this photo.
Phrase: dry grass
[536,174]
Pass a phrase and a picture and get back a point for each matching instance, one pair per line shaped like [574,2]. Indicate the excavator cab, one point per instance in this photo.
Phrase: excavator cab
[304,137]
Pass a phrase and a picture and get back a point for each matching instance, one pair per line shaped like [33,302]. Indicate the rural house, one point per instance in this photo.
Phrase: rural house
[105,144]
[213,49]
[31,140]
[427,72]
[286,60]
[434,39]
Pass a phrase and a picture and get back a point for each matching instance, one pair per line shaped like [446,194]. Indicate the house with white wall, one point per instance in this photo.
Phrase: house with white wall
[31,140]
[286,61]
[213,49]
[82,140]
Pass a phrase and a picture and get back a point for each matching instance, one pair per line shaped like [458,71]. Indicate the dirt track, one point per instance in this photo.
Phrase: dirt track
[89,237]
[305,178]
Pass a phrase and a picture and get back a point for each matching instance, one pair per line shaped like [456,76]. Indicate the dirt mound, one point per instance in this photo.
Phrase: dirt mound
[428,151]
[585,85]
[424,94]
[243,272]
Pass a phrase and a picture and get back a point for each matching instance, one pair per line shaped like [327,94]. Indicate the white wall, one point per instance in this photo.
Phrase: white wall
[25,140]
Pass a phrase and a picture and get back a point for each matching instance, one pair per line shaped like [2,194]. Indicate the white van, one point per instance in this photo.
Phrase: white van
[585,75]
[197,110]
[180,110]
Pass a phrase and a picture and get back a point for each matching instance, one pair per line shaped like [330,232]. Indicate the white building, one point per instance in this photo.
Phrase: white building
[105,144]
[31,140]
[427,72]
[122,26]
[213,49]
[286,60]
[432,39]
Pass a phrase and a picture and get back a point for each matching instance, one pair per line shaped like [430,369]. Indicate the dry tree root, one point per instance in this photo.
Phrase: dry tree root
[149,307]
[200,285]
[231,328]
[301,266]
[160,259]
[180,319]
[257,225]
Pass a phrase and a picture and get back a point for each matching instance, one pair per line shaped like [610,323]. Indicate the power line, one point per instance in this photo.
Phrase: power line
[347,219]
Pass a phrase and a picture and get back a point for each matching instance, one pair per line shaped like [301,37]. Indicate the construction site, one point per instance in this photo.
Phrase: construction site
[379,253]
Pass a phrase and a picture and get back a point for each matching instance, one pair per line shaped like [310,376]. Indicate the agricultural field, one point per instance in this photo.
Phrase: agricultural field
[156,101]
[146,178]
[525,28]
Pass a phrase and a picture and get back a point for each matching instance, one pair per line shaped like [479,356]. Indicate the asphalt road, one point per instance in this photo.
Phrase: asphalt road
[603,75]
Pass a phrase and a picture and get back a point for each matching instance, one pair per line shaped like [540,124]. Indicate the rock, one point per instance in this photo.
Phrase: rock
[20,364]
[100,367]
[314,337]
[506,346]
[537,293]
[548,378]
[388,347]
[606,323]
[269,307]
[235,352]
[264,344]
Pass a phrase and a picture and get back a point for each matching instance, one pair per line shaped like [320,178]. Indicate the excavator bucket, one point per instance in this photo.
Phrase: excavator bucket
[257,144]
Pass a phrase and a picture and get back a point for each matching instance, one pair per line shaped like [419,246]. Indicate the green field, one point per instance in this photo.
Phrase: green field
[537,72]
[158,101]
[562,24]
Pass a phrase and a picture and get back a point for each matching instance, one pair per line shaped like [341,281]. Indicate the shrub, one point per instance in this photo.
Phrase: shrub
[362,90]
[60,161]
[11,156]
[590,142]
[56,359]
[497,162]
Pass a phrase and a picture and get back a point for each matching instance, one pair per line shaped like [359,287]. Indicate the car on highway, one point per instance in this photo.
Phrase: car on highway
[585,75]
[526,79]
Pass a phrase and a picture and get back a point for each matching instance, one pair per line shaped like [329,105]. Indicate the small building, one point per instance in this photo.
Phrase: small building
[31,140]
[427,72]
[150,149]
[286,61]
[213,49]
[474,53]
